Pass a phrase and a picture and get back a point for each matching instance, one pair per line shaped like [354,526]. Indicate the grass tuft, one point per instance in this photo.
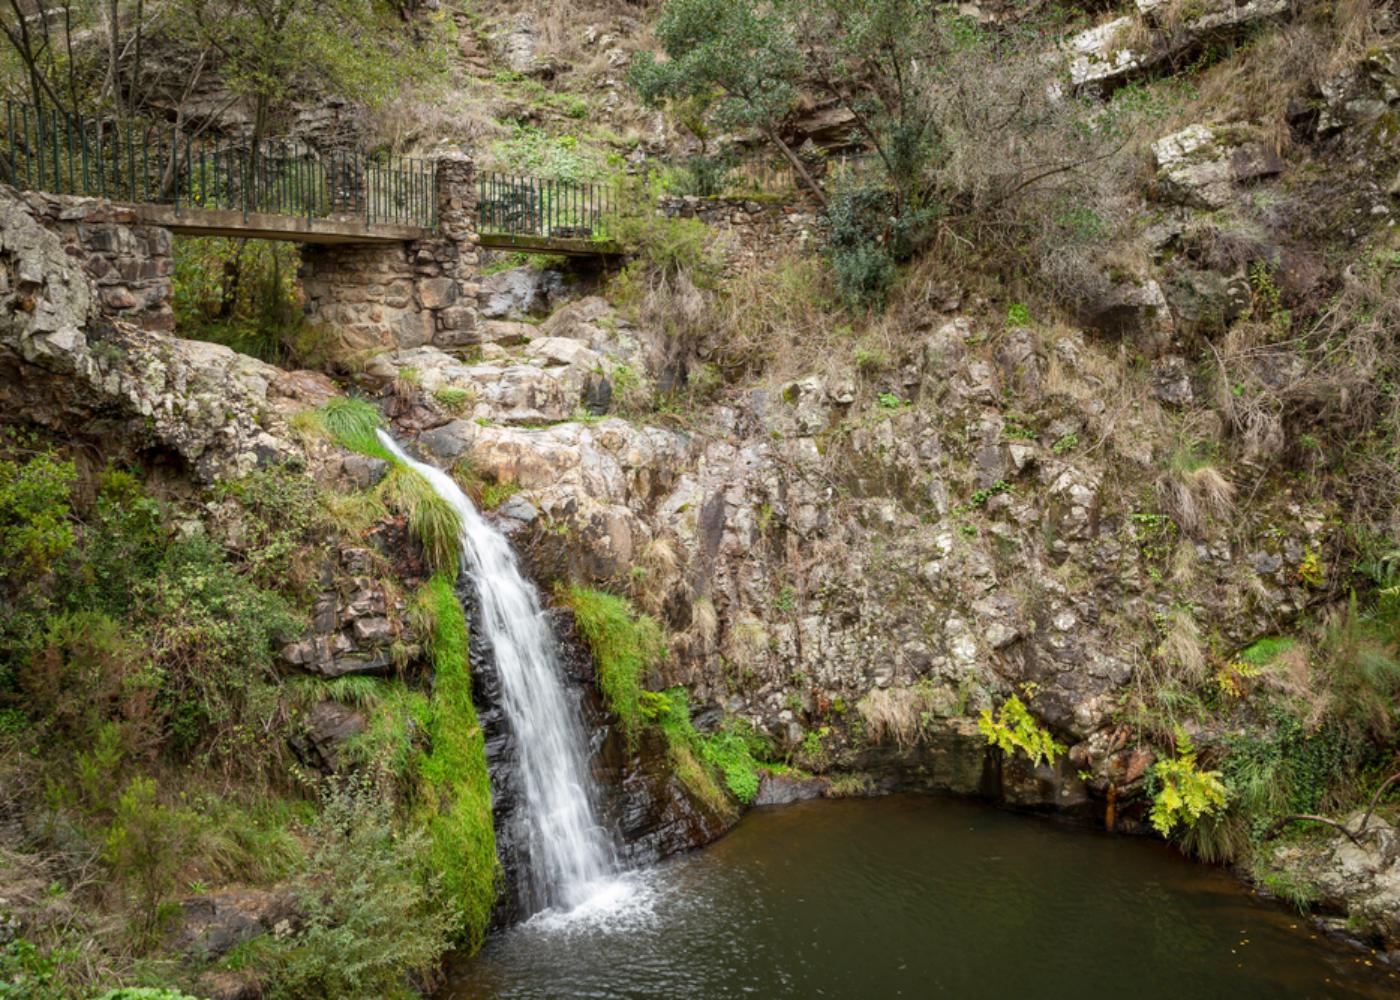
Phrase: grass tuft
[624,644]
[454,793]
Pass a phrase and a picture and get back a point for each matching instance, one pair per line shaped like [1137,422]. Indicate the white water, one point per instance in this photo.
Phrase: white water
[570,854]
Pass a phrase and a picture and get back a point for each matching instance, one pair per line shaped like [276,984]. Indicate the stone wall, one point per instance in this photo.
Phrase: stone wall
[403,294]
[750,231]
[129,263]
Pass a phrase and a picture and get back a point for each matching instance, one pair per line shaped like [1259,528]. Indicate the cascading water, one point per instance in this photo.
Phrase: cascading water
[570,852]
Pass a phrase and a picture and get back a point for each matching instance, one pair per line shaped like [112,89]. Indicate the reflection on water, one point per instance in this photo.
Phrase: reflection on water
[918,897]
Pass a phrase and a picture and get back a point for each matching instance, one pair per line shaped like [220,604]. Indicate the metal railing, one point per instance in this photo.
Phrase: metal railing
[49,150]
[516,205]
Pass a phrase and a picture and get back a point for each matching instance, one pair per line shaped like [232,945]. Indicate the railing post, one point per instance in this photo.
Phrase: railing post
[175,168]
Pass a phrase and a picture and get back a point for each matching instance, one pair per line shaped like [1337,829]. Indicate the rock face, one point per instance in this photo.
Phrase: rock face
[1358,884]
[811,548]
[64,363]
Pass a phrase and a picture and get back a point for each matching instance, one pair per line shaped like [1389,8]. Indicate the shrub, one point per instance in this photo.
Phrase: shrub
[624,645]
[34,507]
[212,632]
[734,750]
[370,925]
[145,845]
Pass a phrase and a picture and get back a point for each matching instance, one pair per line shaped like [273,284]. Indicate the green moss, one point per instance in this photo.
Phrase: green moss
[624,644]
[1265,651]
[454,794]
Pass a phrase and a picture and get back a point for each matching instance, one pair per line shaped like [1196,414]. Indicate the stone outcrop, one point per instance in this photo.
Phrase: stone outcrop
[1357,883]
[1159,31]
[65,363]
[1207,166]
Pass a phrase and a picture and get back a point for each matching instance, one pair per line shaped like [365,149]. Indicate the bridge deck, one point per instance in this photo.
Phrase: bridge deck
[267,226]
[567,247]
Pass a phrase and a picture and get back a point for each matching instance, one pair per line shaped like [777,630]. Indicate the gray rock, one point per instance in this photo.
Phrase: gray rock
[363,470]
[373,630]
[1171,381]
[521,292]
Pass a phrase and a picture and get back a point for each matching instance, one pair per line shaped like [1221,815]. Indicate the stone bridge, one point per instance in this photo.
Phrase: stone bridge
[390,246]
[390,284]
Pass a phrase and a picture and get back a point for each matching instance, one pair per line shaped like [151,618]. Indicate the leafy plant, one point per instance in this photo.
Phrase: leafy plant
[1013,728]
[1185,792]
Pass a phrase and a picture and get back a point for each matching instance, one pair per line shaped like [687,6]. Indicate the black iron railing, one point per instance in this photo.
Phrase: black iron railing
[516,205]
[49,150]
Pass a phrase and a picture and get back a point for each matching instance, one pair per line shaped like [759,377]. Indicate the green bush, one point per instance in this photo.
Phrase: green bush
[370,927]
[624,645]
[146,844]
[212,633]
[34,507]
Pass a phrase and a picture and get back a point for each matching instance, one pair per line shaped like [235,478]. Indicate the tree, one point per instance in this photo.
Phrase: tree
[736,55]
[874,58]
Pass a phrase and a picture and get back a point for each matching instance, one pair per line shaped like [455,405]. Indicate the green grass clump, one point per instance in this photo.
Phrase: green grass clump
[670,712]
[733,752]
[431,519]
[454,793]
[624,644]
[351,423]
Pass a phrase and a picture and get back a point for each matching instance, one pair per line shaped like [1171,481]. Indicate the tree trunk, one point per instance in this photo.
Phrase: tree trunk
[797,165]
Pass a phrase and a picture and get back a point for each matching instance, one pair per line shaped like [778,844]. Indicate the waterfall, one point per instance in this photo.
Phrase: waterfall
[570,852]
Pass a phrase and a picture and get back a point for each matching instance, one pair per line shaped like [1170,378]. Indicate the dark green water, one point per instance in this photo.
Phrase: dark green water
[920,897]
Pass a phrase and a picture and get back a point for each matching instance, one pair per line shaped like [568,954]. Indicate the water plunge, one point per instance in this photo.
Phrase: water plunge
[570,851]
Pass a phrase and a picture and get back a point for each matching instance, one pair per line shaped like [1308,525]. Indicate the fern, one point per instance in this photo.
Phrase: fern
[1014,728]
[1185,793]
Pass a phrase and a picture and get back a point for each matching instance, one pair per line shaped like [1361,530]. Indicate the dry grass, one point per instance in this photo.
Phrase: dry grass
[896,714]
[1193,491]
[1181,654]
[1261,78]
[654,574]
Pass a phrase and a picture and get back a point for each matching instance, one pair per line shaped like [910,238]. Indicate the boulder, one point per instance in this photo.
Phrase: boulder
[1203,166]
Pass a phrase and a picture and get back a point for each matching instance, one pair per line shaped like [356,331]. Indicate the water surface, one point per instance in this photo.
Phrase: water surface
[920,897]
